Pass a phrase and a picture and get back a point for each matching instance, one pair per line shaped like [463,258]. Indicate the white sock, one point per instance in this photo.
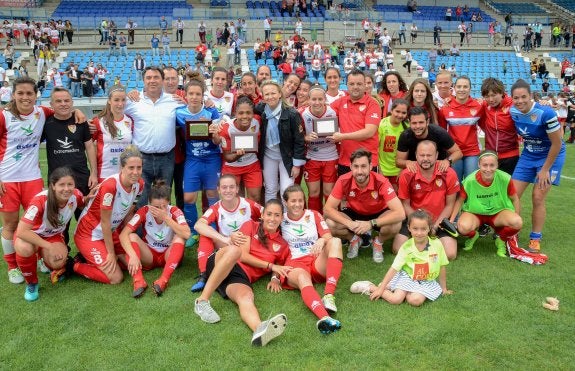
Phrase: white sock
[7,246]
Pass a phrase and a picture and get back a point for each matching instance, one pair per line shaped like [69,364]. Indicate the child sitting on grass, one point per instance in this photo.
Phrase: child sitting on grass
[417,268]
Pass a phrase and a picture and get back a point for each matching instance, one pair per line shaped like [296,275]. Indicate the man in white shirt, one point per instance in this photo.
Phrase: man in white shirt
[180,30]
[154,117]
[131,27]
[202,31]
[267,28]
[384,40]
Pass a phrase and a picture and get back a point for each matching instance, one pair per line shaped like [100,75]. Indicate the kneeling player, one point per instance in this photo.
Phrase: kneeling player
[164,233]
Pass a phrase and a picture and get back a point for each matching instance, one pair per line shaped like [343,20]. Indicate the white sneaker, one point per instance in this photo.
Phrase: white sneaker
[203,309]
[15,276]
[353,248]
[269,330]
[42,267]
[377,251]
[328,301]
[361,287]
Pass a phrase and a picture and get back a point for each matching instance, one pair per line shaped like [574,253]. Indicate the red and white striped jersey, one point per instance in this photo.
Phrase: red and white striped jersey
[229,221]
[36,214]
[158,236]
[109,148]
[20,145]
[110,196]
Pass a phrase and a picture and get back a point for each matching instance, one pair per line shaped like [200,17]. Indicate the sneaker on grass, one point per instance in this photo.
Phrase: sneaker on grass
[327,325]
[328,301]
[353,247]
[361,287]
[501,248]
[42,267]
[269,330]
[377,251]
[31,292]
[15,276]
[192,241]
[534,245]
[470,242]
[203,309]
[200,283]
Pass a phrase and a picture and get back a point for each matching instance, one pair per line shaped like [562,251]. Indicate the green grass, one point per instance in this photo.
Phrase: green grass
[494,320]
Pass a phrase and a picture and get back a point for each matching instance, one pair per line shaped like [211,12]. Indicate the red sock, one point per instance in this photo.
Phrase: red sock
[176,253]
[10,259]
[505,233]
[332,272]
[28,267]
[91,272]
[314,203]
[138,276]
[205,249]
[470,234]
[313,301]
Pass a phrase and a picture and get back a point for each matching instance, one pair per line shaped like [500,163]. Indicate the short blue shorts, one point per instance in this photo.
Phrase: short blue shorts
[202,173]
[529,165]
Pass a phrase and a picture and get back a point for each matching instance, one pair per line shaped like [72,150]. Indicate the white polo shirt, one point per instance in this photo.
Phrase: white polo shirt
[154,123]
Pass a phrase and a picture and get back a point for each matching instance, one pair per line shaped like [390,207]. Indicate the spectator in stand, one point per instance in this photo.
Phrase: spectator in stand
[402,31]
[180,31]
[542,72]
[454,51]
[166,44]
[436,36]
[448,14]
[413,33]
[131,27]
[155,42]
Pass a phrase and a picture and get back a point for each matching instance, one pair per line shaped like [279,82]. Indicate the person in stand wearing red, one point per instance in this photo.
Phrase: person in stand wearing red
[359,116]
[393,86]
[430,189]
[496,122]
[460,118]
[41,229]
[164,232]
[97,237]
[232,270]
[371,205]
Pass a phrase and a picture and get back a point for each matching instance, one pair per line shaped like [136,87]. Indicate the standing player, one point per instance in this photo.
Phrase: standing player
[371,205]
[488,196]
[543,154]
[40,230]
[233,269]
[164,231]
[21,125]
[315,257]
[113,133]
[322,156]
[460,117]
[332,80]
[223,100]
[97,238]
[497,124]
[244,166]
[203,158]
[390,128]
[228,214]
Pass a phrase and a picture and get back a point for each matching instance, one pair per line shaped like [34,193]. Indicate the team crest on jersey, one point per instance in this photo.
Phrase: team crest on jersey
[253,129]
[472,112]
[306,218]
[505,109]
[276,247]
[227,99]
[31,213]
[352,194]
[438,182]
[374,195]
[362,108]
[417,187]
[72,128]
[127,123]
[108,198]
[533,117]
[37,115]
[243,211]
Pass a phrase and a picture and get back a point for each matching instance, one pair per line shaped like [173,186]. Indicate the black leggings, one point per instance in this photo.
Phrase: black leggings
[408,64]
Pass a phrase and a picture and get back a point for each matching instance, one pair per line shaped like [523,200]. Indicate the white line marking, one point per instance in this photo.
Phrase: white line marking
[567,177]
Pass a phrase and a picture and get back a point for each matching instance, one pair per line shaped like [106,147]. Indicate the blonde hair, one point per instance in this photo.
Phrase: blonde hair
[278,86]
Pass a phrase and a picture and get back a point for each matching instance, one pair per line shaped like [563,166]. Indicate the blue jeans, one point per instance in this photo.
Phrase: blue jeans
[76,91]
[156,166]
[139,75]
[124,50]
[465,166]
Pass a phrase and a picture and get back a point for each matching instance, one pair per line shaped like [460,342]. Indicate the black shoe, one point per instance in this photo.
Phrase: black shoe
[69,266]
[484,230]
[447,226]
[138,292]
[365,241]
[200,283]
[79,258]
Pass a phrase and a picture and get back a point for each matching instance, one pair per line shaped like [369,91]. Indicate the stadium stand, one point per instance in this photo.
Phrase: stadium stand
[518,8]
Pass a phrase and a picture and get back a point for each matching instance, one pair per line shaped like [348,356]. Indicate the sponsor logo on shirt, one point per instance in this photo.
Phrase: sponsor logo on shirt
[65,143]
[108,198]
[134,220]
[31,213]
[27,130]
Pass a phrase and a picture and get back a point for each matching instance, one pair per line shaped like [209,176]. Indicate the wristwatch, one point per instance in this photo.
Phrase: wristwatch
[374,223]
[450,161]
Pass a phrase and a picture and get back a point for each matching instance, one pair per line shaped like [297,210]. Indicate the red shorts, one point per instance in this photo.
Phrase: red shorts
[250,175]
[19,193]
[158,259]
[487,219]
[95,252]
[314,171]
[52,239]
[306,263]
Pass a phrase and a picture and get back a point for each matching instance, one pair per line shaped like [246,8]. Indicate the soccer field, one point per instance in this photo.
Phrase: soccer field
[494,320]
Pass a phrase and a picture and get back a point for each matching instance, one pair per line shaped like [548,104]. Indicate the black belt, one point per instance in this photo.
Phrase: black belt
[157,154]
